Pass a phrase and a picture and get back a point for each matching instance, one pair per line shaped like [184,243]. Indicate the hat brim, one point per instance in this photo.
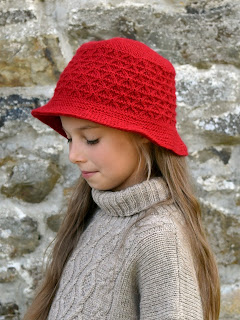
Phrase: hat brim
[159,134]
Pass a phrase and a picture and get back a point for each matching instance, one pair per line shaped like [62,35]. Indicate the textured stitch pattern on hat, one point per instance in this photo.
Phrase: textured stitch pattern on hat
[121,83]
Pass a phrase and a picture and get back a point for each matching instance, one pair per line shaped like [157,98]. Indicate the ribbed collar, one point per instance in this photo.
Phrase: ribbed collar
[132,200]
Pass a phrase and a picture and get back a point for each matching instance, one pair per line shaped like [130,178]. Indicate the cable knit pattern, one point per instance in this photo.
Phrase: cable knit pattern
[133,261]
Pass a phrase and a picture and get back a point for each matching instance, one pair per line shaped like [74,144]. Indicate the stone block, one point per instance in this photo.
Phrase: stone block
[208,101]
[216,175]
[30,61]
[8,274]
[223,232]
[16,107]
[230,306]
[221,153]
[224,129]
[15,16]
[9,311]
[217,183]
[34,272]
[54,221]
[29,40]
[238,199]
[25,135]
[196,88]
[197,37]
[18,236]
[31,180]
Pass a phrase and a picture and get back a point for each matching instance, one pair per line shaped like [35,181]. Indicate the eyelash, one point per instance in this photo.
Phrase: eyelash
[91,142]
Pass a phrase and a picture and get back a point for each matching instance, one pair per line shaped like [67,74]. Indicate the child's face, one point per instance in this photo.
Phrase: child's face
[107,157]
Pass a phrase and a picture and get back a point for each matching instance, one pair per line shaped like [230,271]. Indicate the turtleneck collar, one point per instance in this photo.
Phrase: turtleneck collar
[133,199]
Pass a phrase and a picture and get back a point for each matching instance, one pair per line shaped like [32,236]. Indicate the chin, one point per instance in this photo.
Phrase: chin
[100,187]
[106,187]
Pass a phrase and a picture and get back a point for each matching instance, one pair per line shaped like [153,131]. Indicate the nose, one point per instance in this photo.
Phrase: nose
[76,153]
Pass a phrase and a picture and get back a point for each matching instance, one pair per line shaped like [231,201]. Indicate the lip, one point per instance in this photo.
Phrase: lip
[88,174]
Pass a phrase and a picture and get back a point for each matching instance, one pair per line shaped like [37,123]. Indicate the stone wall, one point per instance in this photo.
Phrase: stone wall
[37,39]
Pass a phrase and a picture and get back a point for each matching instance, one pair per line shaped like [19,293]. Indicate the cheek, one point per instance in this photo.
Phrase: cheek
[115,155]
[123,158]
[103,155]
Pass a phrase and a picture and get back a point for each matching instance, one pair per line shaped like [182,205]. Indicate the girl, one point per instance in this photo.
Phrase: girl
[132,245]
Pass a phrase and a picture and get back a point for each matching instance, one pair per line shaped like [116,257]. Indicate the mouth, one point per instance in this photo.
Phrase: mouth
[88,174]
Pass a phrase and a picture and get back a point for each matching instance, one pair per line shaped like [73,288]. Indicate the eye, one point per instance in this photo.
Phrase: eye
[93,141]
[69,140]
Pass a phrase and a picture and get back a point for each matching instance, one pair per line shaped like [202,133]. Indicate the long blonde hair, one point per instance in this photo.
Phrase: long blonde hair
[159,162]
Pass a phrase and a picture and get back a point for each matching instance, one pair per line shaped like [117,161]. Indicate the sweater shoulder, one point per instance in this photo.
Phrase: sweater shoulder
[164,217]
[160,223]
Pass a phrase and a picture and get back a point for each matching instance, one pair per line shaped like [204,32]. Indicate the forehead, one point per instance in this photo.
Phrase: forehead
[71,122]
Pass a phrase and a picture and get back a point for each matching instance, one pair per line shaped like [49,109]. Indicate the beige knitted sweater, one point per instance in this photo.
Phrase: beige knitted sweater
[122,270]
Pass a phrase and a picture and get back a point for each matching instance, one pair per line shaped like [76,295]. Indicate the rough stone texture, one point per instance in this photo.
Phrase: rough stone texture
[226,125]
[18,236]
[54,221]
[223,230]
[14,107]
[15,16]
[231,307]
[31,181]
[8,274]
[37,39]
[26,62]
[197,38]
[9,311]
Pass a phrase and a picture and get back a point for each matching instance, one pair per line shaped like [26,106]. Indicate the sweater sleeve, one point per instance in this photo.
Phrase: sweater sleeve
[166,278]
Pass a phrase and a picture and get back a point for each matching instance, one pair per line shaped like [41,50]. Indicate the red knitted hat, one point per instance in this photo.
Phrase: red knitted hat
[120,83]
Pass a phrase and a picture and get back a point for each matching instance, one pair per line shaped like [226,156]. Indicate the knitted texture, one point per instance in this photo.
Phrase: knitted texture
[127,270]
[120,83]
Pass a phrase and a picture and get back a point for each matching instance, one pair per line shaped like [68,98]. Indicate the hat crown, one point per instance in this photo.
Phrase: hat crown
[120,75]
[134,48]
